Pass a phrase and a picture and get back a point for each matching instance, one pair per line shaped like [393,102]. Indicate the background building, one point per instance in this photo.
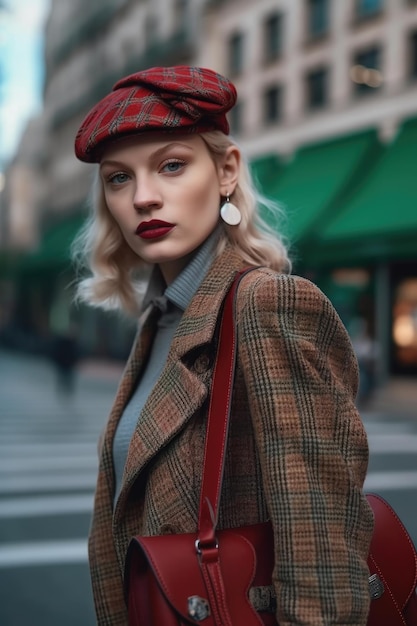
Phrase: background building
[327,112]
[327,107]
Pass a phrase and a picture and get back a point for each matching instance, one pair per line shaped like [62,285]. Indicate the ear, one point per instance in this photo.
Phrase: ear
[229,170]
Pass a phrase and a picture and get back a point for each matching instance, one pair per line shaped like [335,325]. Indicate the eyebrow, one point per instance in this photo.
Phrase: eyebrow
[174,144]
[154,155]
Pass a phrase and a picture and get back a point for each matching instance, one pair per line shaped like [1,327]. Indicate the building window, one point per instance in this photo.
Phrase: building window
[235,119]
[368,8]
[272,104]
[318,18]
[317,88]
[273,37]
[413,55]
[180,14]
[236,54]
[365,72]
[151,30]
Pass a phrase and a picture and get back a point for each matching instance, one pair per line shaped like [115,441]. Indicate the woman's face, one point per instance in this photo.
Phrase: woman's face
[164,193]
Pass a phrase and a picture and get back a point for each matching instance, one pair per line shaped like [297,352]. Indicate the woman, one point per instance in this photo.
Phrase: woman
[174,194]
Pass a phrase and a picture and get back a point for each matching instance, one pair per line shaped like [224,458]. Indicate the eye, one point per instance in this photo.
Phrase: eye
[117,178]
[172,166]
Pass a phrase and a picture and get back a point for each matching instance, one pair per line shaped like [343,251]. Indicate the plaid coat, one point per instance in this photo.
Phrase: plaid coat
[297,450]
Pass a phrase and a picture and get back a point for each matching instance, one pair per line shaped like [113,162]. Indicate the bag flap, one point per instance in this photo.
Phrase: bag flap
[175,565]
[392,554]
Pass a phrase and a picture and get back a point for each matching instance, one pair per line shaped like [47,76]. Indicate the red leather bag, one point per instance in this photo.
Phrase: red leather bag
[224,578]
[392,563]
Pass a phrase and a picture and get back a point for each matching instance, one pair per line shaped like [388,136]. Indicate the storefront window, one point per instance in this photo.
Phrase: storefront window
[351,290]
[404,323]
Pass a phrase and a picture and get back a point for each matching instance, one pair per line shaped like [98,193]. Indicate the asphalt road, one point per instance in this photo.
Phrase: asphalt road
[48,467]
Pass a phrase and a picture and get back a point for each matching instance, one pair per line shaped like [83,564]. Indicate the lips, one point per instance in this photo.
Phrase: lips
[153,229]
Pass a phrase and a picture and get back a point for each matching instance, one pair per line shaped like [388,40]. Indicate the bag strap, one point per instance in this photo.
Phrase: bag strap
[218,420]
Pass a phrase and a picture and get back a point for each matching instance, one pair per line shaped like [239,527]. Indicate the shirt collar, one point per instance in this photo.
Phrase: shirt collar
[183,288]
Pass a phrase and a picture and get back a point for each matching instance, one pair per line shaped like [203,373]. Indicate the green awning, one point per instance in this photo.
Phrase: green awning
[55,247]
[380,218]
[265,169]
[311,186]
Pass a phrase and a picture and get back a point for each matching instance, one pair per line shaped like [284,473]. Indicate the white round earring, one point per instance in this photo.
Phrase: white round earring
[230,213]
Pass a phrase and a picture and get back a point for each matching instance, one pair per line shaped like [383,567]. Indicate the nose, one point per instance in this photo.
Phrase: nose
[147,195]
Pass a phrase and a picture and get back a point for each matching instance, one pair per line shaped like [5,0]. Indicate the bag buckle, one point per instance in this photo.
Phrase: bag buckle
[198,608]
[376,587]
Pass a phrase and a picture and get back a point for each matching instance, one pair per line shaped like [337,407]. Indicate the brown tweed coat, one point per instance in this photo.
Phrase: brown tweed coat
[297,452]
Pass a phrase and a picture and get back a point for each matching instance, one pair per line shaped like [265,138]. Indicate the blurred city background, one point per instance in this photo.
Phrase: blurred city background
[327,114]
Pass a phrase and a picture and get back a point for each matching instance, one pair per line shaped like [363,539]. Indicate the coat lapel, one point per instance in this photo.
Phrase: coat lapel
[182,388]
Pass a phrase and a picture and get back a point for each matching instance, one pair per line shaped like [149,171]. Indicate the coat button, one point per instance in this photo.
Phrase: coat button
[202,363]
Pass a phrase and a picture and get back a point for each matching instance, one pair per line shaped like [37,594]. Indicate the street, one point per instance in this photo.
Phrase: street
[48,464]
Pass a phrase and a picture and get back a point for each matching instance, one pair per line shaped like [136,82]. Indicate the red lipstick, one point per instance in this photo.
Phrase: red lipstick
[153,229]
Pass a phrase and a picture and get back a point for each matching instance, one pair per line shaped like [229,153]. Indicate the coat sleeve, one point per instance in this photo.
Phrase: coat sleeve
[301,377]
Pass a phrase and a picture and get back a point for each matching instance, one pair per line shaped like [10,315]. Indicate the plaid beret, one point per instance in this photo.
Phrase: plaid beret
[173,99]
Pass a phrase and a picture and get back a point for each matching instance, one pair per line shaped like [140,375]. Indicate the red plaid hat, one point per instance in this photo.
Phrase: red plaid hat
[173,99]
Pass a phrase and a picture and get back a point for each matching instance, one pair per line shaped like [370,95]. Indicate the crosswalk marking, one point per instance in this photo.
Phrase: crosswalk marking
[41,505]
[47,472]
[44,464]
[47,482]
[386,443]
[43,553]
[383,426]
[42,449]
[394,480]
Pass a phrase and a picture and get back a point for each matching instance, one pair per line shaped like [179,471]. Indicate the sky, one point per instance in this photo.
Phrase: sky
[21,68]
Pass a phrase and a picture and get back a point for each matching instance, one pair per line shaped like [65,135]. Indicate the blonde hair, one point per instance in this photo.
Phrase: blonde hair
[116,272]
